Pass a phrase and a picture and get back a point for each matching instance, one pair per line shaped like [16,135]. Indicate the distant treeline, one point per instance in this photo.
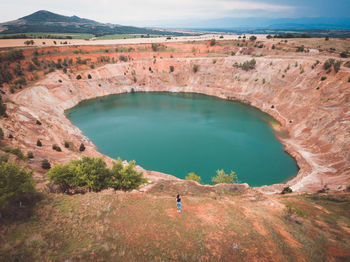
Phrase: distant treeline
[26,36]
[304,35]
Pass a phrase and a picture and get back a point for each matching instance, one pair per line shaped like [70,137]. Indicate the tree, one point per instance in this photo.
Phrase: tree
[38,143]
[89,76]
[82,147]
[66,144]
[45,164]
[252,38]
[2,107]
[125,178]
[15,183]
[212,42]
[328,63]
[344,54]
[336,66]
[195,68]
[193,176]
[171,68]
[30,154]
[221,177]
[286,190]
[155,47]
[123,58]
[1,133]
[78,77]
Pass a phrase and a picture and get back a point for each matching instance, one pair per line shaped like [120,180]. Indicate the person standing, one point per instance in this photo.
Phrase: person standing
[178,203]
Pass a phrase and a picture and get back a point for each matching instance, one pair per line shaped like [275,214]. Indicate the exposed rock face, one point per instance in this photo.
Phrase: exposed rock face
[318,120]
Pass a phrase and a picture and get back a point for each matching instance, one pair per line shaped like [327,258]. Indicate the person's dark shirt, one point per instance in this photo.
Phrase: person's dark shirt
[178,198]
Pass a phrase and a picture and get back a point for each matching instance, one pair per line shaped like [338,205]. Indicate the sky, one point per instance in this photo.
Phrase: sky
[165,12]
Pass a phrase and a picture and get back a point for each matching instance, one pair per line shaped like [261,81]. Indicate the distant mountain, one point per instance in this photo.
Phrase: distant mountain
[234,23]
[48,22]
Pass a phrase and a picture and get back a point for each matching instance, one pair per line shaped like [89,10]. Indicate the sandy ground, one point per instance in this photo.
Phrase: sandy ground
[49,42]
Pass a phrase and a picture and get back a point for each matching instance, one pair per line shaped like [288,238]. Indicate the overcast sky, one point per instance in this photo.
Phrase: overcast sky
[146,12]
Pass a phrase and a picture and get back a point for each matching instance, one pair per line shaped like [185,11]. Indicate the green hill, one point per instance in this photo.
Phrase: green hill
[48,22]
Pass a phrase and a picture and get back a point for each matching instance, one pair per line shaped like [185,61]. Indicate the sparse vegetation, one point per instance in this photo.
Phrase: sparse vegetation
[222,177]
[212,42]
[123,58]
[328,64]
[82,147]
[30,155]
[92,174]
[45,164]
[15,185]
[56,148]
[286,190]
[247,65]
[193,176]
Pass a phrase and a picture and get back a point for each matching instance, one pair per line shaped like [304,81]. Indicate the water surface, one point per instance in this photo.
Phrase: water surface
[178,133]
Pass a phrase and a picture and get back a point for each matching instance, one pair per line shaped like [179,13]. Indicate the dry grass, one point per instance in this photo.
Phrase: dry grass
[212,227]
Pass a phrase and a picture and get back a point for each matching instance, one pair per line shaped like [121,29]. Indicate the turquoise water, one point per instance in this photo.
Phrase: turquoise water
[178,133]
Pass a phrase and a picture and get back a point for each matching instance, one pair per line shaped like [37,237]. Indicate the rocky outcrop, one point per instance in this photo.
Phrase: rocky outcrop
[315,113]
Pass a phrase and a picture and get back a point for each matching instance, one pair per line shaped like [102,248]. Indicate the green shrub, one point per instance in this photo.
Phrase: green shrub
[221,177]
[247,65]
[38,122]
[30,154]
[31,67]
[36,61]
[344,54]
[78,77]
[323,78]
[82,147]
[66,144]
[300,48]
[18,70]
[4,158]
[15,151]
[286,190]
[89,76]
[233,53]
[212,42]
[123,58]
[155,47]
[93,174]
[194,177]
[38,143]
[252,38]
[336,66]
[15,183]
[2,107]
[195,68]
[125,178]
[171,68]
[45,164]
[328,63]
[56,147]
